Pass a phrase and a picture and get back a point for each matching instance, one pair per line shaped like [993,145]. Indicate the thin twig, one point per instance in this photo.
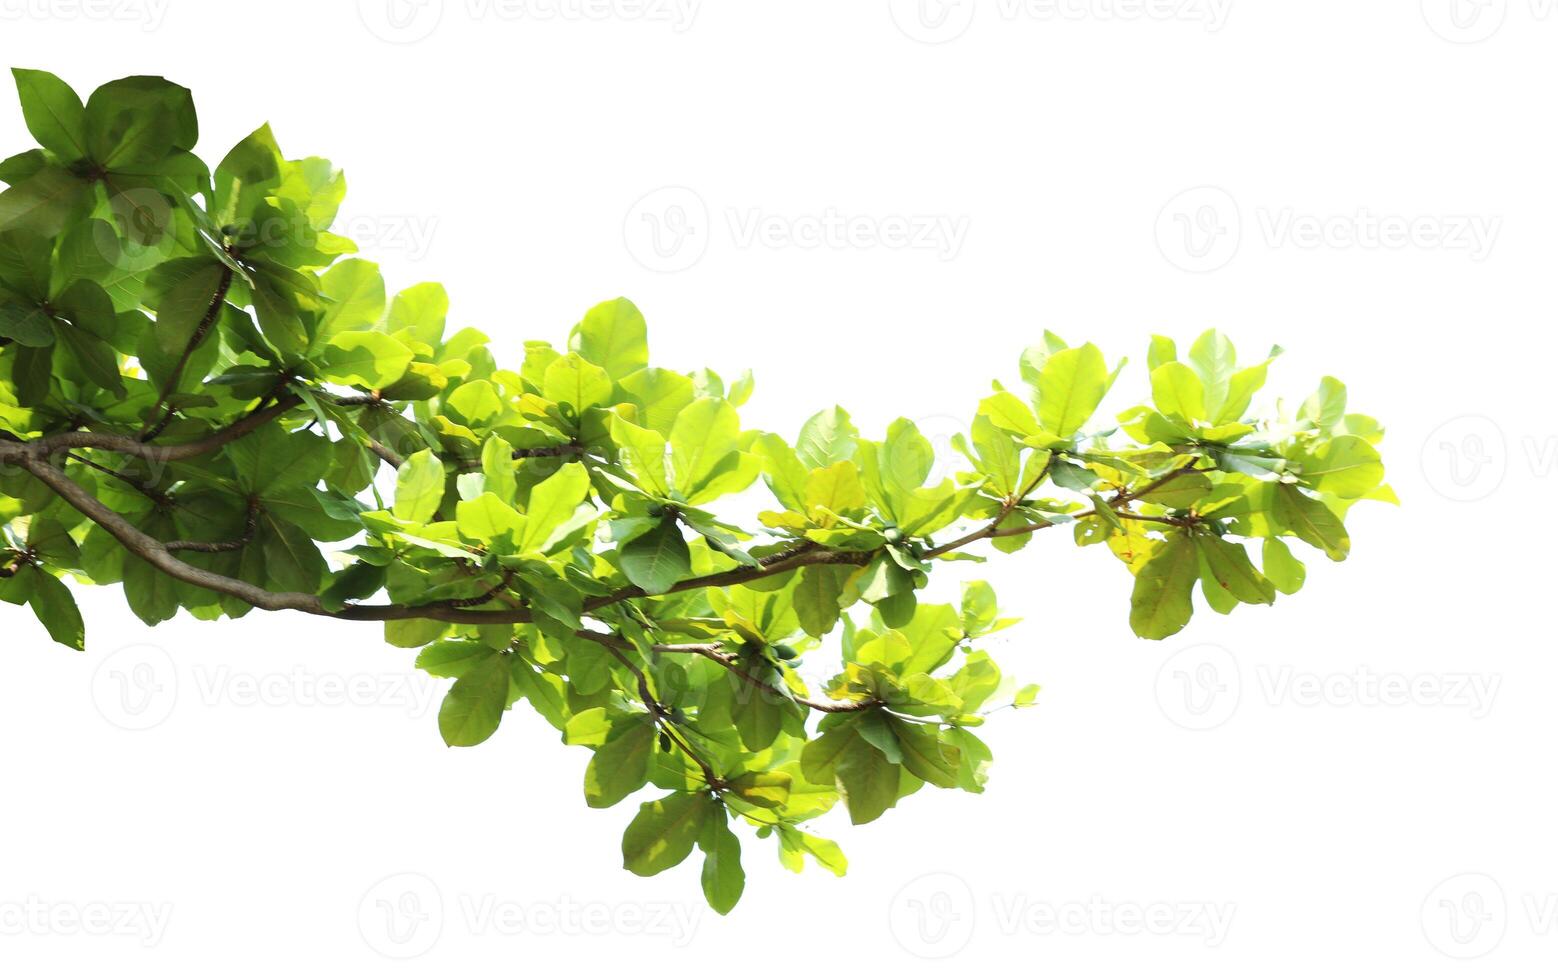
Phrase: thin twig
[202,328]
[251,525]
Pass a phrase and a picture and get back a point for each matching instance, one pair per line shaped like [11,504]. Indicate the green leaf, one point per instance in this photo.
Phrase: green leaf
[272,460]
[497,467]
[451,658]
[1285,572]
[131,123]
[1230,567]
[621,765]
[831,491]
[1212,359]
[246,175]
[657,559]
[53,113]
[816,597]
[356,291]
[867,781]
[664,832]
[1346,467]
[573,381]
[827,437]
[704,434]
[658,396]
[770,790]
[359,357]
[925,755]
[56,609]
[488,520]
[474,705]
[44,202]
[475,403]
[27,325]
[793,844]
[48,540]
[419,487]
[1160,601]
[1178,392]
[422,310]
[185,289]
[1072,383]
[758,713]
[722,878]
[554,502]
[1311,520]
[642,452]
[612,336]
[151,595]
[1327,405]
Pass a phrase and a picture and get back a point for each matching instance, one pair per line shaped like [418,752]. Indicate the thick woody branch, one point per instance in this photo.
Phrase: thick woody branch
[156,553]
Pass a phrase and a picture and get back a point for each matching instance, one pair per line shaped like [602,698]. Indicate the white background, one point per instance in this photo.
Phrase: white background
[508,151]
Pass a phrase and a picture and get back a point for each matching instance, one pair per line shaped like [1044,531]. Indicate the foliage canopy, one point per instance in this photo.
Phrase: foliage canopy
[198,389]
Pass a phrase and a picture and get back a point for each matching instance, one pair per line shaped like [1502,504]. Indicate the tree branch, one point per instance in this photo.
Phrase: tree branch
[207,321]
[250,526]
[155,553]
[716,652]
